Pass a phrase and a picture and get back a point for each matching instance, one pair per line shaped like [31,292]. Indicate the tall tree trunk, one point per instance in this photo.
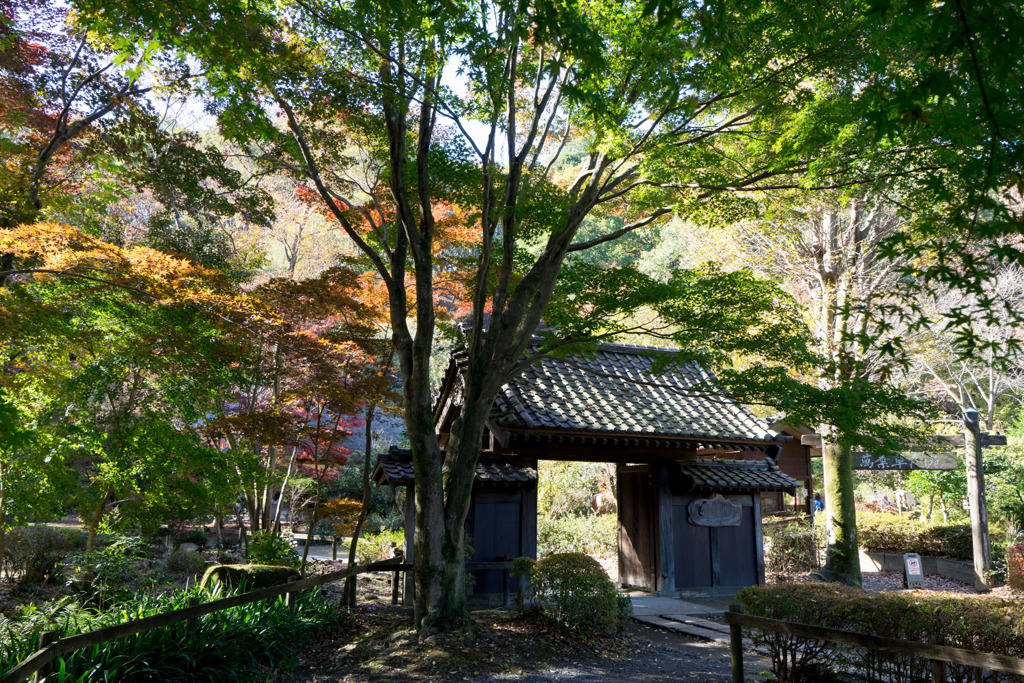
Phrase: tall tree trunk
[276,528]
[95,519]
[3,516]
[350,583]
[254,516]
[842,558]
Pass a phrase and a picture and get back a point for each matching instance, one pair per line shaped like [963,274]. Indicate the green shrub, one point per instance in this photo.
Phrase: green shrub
[36,554]
[270,548]
[186,562]
[377,547]
[575,593]
[1015,567]
[195,536]
[588,534]
[964,621]
[245,577]
[887,533]
[104,576]
[237,644]
[791,548]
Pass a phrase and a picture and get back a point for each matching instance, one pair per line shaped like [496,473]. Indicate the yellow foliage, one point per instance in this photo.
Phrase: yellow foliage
[344,512]
[52,250]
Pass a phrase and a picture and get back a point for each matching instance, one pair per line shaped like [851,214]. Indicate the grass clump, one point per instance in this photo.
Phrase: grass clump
[237,644]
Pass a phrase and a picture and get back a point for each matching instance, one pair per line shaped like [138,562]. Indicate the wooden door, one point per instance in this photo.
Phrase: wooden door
[737,551]
[495,530]
[637,566]
[709,558]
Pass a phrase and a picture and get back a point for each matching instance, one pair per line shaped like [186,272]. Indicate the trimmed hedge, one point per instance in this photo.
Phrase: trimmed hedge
[985,625]
[574,593]
[245,577]
[887,533]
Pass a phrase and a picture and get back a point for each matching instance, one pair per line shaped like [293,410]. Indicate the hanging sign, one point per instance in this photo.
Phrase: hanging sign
[909,460]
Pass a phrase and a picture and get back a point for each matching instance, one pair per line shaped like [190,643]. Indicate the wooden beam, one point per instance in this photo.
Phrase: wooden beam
[938,441]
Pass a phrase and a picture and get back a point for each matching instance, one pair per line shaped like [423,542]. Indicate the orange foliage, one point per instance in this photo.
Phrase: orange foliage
[54,250]
[345,513]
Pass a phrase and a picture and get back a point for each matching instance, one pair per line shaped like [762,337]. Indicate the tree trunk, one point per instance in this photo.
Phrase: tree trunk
[254,517]
[95,519]
[350,583]
[842,559]
[284,487]
[3,517]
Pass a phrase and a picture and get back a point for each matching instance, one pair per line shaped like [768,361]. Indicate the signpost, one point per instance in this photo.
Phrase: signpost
[913,571]
[976,498]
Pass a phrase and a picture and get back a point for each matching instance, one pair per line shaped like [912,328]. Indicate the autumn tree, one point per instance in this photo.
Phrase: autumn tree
[651,92]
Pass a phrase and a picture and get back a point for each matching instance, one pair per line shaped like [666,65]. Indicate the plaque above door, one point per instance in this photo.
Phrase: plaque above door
[714,511]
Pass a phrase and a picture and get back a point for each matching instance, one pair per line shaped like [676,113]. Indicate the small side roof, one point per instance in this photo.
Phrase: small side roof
[395,468]
[717,475]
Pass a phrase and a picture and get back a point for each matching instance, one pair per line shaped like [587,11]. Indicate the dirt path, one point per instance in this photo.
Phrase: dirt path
[379,646]
[665,657]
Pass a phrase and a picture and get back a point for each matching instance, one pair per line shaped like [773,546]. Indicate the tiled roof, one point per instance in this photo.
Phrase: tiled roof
[615,391]
[739,475]
[395,468]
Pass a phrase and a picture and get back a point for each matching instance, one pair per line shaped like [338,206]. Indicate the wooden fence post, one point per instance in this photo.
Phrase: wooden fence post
[938,671]
[46,638]
[400,556]
[334,548]
[289,598]
[190,630]
[736,647]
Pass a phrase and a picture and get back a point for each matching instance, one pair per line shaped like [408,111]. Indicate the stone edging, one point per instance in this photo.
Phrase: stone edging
[941,566]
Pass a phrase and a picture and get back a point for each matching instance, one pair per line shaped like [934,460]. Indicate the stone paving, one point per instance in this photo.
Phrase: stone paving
[695,618]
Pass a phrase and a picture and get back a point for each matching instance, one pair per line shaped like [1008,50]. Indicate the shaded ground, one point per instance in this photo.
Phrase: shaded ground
[378,645]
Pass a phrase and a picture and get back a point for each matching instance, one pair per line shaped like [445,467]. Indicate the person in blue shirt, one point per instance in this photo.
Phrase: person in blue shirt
[819,504]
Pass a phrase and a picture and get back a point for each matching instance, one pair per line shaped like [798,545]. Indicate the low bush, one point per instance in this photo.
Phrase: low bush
[104,576]
[187,562]
[36,554]
[792,548]
[887,533]
[245,577]
[270,548]
[575,593]
[588,534]
[381,546]
[195,536]
[238,644]
[1015,567]
[964,621]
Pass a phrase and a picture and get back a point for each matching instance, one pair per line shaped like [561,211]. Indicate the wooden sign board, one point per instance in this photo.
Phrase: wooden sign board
[715,511]
[913,571]
[908,460]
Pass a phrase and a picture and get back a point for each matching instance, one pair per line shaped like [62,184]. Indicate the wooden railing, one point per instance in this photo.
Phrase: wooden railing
[50,648]
[939,655]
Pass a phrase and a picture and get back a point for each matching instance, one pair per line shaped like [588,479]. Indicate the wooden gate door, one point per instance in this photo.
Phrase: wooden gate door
[715,557]
[496,534]
[637,566]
